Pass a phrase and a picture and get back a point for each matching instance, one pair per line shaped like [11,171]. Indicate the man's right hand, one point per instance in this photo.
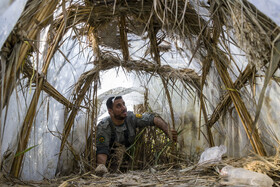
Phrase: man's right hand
[100,170]
[173,135]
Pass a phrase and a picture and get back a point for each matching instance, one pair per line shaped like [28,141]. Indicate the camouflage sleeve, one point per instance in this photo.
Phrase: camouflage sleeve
[103,138]
[144,120]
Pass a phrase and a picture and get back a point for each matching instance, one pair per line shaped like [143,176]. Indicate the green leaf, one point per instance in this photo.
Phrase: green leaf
[26,150]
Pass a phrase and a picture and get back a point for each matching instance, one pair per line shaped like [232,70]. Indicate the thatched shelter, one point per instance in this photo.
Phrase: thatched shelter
[204,66]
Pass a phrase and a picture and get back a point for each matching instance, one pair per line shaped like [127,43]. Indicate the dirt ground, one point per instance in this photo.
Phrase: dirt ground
[164,175]
[151,177]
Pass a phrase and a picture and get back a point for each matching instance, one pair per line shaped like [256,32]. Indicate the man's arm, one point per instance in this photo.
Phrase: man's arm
[160,123]
[103,137]
[101,159]
[101,169]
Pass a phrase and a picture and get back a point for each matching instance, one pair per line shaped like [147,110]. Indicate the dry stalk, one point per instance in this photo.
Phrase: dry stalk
[123,38]
[47,87]
[83,88]
[17,52]
[205,70]
[31,29]
[226,100]
[185,75]
[156,56]
[221,62]
[93,126]
[252,28]
[94,120]
[239,105]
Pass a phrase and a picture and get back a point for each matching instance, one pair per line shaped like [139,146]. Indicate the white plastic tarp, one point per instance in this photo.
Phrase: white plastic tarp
[9,15]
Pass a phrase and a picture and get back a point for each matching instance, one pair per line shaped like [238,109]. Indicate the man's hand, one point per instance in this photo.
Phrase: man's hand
[100,170]
[160,123]
[173,135]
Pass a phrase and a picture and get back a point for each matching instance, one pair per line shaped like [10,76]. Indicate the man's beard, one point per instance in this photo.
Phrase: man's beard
[119,117]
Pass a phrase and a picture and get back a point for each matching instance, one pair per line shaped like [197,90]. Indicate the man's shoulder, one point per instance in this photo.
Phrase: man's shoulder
[130,113]
[104,123]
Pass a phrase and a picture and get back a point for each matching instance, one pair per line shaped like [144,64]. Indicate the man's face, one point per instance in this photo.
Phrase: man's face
[119,109]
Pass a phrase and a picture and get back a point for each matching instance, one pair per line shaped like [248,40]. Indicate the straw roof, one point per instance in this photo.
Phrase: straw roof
[206,31]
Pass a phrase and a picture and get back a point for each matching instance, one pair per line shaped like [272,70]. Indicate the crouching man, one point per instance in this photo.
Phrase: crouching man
[117,132]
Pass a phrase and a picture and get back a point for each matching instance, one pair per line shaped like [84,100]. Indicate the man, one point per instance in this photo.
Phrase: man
[120,128]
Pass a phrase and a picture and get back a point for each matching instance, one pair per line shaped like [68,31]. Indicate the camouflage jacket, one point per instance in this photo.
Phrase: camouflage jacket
[108,132]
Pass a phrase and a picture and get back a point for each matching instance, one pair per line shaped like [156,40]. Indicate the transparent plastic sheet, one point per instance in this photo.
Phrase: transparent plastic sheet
[268,124]
[269,7]
[242,177]
[212,155]
[9,14]
[41,161]
[14,114]
[186,114]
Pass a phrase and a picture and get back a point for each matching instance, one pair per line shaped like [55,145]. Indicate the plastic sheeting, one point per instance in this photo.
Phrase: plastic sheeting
[9,14]
[269,8]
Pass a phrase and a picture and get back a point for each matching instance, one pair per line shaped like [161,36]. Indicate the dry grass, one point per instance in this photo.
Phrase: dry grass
[169,174]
